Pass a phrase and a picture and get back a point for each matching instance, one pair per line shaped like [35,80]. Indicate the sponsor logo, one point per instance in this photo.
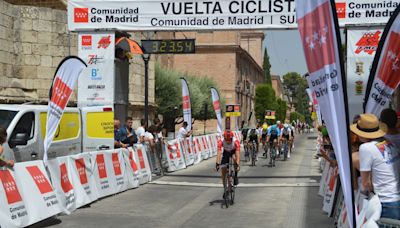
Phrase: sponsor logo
[217,105]
[94,59]
[104,42]
[86,42]
[81,15]
[81,168]
[94,75]
[341,9]
[132,161]
[41,181]
[97,87]
[390,62]
[116,164]
[65,183]
[10,187]
[186,102]
[141,159]
[101,166]
[61,93]
[368,43]
[178,152]
[318,42]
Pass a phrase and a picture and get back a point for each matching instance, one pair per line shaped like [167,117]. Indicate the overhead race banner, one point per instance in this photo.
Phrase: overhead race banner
[186,104]
[67,74]
[362,44]
[217,108]
[180,15]
[384,77]
[319,32]
[162,15]
[96,85]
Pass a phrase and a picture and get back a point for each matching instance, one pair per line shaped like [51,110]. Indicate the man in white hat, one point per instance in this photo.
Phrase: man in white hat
[379,164]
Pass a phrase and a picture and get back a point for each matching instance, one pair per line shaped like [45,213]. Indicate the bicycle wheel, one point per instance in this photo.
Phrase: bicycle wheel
[232,195]
[226,192]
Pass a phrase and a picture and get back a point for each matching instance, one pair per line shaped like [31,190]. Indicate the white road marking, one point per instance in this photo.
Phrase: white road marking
[241,185]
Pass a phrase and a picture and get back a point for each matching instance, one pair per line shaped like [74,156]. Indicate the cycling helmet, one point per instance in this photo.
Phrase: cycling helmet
[278,122]
[286,125]
[228,135]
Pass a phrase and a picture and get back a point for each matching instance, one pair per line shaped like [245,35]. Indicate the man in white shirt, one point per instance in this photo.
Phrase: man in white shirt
[379,164]
[183,133]
[141,132]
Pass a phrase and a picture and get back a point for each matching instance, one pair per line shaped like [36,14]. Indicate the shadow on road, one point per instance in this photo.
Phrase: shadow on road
[221,202]
[46,223]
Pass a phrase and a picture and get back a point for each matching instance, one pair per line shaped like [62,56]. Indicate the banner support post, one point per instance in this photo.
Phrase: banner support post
[146,59]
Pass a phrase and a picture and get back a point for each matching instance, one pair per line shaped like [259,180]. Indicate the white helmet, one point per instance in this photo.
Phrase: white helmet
[278,122]
[286,125]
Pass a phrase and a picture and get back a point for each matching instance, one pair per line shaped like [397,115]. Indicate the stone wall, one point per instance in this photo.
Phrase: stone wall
[33,41]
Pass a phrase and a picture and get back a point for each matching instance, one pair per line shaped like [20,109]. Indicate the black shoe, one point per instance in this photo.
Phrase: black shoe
[235,181]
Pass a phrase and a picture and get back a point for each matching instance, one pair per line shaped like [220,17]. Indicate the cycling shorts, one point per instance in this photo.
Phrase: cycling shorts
[286,136]
[226,155]
[263,136]
[272,138]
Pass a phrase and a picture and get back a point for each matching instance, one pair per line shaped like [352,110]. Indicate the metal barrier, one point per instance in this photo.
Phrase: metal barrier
[388,223]
[154,155]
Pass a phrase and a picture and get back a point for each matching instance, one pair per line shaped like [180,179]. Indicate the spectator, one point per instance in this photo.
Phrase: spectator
[389,117]
[141,131]
[379,164]
[3,139]
[183,133]
[128,135]
[117,135]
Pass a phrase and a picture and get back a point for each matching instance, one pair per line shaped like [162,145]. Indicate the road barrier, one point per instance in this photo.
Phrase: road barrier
[29,193]
[368,209]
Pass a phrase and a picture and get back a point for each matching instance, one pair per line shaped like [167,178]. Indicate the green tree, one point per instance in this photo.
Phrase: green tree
[294,116]
[267,68]
[169,95]
[265,100]
[296,87]
[281,111]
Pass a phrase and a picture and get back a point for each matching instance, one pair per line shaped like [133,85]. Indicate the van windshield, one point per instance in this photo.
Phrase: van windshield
[6,116]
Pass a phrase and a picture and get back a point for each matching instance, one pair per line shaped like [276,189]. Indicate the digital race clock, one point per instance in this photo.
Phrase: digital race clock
[168,46]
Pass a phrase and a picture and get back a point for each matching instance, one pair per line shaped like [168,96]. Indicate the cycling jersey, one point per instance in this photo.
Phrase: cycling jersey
[285,132]
[228,149]
[273,132]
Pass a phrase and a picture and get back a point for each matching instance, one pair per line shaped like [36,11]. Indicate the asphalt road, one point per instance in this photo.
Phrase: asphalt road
[284,196]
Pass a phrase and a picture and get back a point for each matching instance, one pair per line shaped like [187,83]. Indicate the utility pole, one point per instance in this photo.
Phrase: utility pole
[146,59]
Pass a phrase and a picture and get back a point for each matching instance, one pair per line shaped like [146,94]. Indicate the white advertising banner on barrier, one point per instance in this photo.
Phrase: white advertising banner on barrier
[198,157]
[109,171]
[362,44]
[13,212]
[83,179]
[96,84]
[131,169]
[175,157]
[206,148]
[33,184]
[60,173]
[187,147]
[330,191]
[144,166]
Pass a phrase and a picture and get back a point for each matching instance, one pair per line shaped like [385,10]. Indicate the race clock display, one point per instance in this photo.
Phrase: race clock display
[184,46]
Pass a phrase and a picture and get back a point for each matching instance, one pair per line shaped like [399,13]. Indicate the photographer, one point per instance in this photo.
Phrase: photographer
[326,150]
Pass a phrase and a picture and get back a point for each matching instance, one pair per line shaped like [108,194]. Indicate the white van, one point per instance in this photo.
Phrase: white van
[80,130]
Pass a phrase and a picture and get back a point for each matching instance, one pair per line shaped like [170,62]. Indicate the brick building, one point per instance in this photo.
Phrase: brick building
[232,58]
[34,39]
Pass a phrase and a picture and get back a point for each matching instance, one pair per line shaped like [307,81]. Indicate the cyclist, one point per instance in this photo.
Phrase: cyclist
[291,141]
[244,141]
[227,148]
[253,135]
[285,138]
[264,132]
[273,137]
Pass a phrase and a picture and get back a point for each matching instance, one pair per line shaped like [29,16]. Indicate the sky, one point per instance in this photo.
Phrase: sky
[285,52]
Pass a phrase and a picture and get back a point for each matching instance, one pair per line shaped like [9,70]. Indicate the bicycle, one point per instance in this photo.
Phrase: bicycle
[229,188]
[272,154]
[285,149]
[253,153]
